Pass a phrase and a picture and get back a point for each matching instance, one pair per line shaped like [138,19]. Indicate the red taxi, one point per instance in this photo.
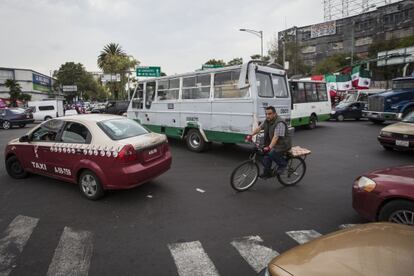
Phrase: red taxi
[98,152]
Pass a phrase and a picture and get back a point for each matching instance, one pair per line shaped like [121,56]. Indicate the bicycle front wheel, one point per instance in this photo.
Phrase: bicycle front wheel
[244,176]
[295,171]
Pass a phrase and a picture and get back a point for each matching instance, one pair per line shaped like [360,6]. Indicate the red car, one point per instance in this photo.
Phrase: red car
[386,195]
[98,152]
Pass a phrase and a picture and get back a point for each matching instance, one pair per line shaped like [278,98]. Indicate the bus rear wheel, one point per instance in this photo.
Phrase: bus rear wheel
[195,141]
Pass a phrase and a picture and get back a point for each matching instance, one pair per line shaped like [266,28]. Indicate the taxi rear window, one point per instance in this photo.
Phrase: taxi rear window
[118,129]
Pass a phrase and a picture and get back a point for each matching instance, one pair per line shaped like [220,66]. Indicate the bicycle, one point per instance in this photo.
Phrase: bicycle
[245,175]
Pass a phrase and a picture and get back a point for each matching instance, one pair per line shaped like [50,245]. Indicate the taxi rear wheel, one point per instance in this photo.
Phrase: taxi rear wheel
[14,168]
[90,185]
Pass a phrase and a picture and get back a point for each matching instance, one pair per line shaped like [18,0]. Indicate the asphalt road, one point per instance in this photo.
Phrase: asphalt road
[136,232]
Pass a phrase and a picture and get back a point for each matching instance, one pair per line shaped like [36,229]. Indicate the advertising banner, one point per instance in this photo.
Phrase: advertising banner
[323,29]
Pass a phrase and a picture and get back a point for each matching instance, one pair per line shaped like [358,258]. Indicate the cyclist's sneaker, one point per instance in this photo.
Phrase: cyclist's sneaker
[265,174]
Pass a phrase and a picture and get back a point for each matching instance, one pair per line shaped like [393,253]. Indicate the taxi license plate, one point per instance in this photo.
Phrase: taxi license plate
[374,115]
[152,153]
[402,143]
[27,116]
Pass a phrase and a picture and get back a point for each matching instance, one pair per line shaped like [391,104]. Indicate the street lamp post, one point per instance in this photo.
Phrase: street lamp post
[258,34]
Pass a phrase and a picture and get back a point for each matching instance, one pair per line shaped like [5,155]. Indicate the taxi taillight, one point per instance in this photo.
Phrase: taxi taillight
[127,154]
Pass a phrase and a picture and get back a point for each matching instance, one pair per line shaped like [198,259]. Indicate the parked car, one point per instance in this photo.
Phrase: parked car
[399,135]
[98,152]
[348,110]
[10,117]
[46,110]
[386,195]
[367,249]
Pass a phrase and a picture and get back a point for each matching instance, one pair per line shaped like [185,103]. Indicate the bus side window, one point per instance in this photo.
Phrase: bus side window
[300,93]
[168,89]
[138,97]
[197,87]
[311,93]
[225,85]
[149,94]
[322,93]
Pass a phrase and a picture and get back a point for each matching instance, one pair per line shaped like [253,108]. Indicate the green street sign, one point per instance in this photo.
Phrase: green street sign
[148,71]
[210,66]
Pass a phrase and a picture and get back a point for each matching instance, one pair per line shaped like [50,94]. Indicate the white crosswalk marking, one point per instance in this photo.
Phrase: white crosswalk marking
[13,240]
[191,259]
[303,236]
[73,253]
[346,226]
[255,254]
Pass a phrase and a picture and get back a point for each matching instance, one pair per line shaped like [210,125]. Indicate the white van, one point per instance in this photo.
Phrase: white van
[45,110]
[216,105]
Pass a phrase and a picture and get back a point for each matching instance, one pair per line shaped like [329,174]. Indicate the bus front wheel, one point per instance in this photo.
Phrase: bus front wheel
[312,122]
[195,141]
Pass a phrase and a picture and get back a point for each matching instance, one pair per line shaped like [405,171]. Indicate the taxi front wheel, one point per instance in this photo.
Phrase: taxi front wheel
[90,185]
[14,168]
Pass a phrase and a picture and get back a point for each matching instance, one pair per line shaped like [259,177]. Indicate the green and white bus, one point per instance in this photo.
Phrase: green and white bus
[216,105]
[311,103]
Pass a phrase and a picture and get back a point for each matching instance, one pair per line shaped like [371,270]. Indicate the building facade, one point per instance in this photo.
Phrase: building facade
[38,85]
[355,33]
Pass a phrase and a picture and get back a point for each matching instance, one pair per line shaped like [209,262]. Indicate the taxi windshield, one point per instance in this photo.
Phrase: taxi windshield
[118,129]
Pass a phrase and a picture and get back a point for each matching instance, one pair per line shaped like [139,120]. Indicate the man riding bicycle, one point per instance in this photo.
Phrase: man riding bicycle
[276,140]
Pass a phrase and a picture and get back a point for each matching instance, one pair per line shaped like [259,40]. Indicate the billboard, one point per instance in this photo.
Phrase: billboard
[41,83]
[323,29]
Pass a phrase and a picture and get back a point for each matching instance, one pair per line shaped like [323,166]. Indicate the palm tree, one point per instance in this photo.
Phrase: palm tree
[111,49]
[15,90]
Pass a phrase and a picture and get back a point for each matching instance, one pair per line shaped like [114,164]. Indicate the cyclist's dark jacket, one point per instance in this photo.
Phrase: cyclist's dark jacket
[284,143]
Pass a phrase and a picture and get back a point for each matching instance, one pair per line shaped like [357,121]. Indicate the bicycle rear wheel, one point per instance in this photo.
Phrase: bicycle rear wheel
[294,172]
[244,176]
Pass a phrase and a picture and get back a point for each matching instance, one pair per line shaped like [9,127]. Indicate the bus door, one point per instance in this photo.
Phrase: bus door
[150,117]
[167,106]
[135,110]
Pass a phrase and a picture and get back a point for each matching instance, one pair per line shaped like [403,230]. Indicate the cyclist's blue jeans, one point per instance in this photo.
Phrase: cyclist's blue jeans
[275,156]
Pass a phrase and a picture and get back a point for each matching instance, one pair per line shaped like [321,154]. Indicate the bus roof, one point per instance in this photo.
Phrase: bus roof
[202,72]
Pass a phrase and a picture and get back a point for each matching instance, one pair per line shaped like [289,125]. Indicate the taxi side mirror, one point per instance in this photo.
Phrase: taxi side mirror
[24,138]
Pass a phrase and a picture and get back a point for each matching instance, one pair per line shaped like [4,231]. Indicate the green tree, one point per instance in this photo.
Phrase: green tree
[235,61]
[15,91]
[71,73]
[218,62]
[114,60]
[333,63]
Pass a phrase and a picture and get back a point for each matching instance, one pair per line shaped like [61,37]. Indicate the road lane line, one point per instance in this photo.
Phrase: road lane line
[303,236]
[255,254]
[191,259]
[73,253]
[13,240]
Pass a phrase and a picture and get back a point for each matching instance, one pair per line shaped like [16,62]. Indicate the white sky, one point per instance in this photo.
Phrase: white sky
[177,35]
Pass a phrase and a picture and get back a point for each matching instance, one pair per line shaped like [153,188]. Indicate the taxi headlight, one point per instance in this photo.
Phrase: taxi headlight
[366,184]
[386,134]
[333,112]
